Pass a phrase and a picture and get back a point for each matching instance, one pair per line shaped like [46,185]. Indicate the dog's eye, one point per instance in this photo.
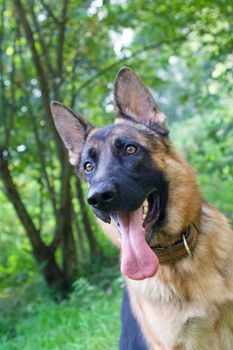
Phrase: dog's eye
[130,149]
[88,167]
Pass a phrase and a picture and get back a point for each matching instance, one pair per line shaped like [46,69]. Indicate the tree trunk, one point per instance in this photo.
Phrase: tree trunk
[67,236]
[64,234]
[45,258]
[86,221]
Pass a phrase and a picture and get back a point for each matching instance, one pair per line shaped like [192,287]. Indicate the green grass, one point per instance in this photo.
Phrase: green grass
[88,320]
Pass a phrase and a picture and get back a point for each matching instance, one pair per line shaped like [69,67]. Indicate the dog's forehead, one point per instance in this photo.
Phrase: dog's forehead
[101,140]
[111,133]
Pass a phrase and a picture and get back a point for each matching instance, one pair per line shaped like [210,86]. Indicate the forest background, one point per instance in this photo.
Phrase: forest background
[59,281]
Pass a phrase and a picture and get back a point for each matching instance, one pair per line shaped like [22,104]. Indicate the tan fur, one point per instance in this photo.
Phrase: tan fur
[189,305]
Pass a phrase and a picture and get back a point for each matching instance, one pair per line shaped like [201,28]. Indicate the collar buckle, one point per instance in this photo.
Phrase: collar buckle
[187,247]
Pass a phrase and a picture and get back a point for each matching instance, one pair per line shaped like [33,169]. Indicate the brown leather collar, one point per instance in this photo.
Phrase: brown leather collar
[180,249]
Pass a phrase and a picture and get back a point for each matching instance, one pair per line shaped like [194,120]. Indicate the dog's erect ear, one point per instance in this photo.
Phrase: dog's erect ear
[134,100]
[72,128]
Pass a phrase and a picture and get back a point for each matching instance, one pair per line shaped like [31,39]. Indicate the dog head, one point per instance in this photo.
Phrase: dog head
[124,165]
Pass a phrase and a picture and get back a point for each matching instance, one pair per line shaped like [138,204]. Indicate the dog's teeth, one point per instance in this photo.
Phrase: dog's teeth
[145,207]
[145,210]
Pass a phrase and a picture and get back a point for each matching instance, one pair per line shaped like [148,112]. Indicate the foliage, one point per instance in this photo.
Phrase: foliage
[208,146]
[89,319]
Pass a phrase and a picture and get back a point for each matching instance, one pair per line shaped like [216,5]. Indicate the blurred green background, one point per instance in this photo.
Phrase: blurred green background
[59,281]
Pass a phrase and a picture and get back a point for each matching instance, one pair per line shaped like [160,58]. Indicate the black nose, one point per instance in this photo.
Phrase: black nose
[101,195]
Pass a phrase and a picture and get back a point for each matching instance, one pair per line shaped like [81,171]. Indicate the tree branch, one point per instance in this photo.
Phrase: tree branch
[44,47]
[86,220]
[43,254]
[82,252]
[64,212]
[14,197]
[44,86]
[124,59]
[40,149]
[49,11]
[2,86]
[60,47]
[11,106]
[39,143]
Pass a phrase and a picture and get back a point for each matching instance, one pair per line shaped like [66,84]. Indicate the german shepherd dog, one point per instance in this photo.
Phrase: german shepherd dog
[176,250]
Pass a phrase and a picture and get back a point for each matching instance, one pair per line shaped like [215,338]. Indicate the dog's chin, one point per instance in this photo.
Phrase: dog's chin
[102,215]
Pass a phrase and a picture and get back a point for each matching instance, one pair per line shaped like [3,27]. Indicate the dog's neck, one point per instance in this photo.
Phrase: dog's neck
[184,203]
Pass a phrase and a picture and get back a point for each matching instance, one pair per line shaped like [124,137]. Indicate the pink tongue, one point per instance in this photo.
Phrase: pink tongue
[137,259]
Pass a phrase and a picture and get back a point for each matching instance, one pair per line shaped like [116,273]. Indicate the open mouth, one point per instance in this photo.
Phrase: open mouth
[136,229]
[151,211]
[150,215]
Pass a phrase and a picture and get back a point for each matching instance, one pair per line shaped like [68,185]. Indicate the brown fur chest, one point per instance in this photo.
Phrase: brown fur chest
[189,307]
